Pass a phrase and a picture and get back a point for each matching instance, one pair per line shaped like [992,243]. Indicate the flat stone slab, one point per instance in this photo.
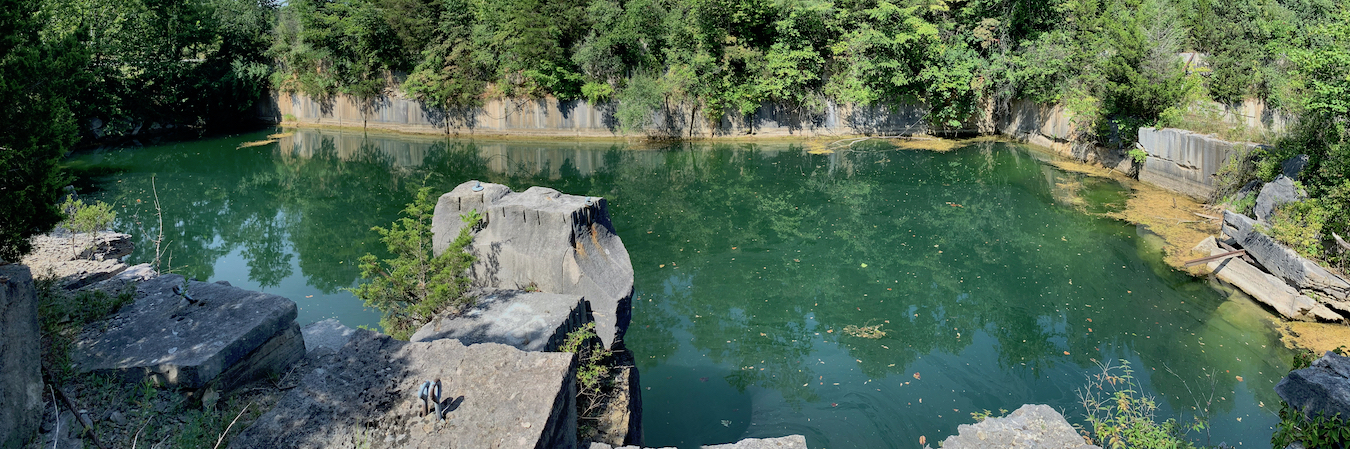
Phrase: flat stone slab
[1264,287]
[1323,387]
[176,342]
[543,240]
[787,442]
[530,321]
[365,395]
[1032,426]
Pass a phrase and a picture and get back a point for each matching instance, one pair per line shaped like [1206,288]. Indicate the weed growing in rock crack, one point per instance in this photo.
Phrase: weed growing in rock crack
[982,415]
[1120,415]
[415,285]
[593,378]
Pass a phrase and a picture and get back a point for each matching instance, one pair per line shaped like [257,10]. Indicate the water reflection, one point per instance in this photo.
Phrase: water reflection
[992,275]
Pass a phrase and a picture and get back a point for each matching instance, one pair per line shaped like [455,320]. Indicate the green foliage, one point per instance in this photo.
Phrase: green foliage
[1121,416]
[1138,155]
[36,86]
[82,217]
[1299,225]
[415,284]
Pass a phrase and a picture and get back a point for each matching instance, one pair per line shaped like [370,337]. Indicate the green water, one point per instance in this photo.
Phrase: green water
[992,277]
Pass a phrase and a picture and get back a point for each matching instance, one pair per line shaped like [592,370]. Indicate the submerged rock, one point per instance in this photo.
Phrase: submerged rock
[1032,426]
[210,331]
[531,321]
[543,240]
[20,380]
[365,395]
[1322,388]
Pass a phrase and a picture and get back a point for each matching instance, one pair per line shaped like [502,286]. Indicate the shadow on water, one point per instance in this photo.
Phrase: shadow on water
[992,275]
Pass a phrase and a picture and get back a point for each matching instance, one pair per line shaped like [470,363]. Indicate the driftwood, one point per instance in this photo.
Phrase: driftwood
[1226,255]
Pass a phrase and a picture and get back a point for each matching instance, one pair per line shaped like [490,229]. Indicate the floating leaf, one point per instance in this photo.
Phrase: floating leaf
[916,375]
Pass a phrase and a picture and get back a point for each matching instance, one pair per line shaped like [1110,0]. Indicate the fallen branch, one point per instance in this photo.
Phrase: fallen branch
[1211,217]
[227,428]
[83,417]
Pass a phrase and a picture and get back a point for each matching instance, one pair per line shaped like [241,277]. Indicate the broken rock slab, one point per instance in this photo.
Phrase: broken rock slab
[365,395]
[79,260]
[175,341]
[1264,287]
[1032,426]
[1322,388]
[541,239]
[20,380]
[530,321]
[1282,261]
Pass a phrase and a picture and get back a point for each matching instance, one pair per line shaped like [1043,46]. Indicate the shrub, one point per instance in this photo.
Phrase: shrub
[1122,416]
[87,218]
[593,377]
[415,285]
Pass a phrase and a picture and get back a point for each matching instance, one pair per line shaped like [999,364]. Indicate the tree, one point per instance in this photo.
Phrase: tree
[415,284]
[35,82]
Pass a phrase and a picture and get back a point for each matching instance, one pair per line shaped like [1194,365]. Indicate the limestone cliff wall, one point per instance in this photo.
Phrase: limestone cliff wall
[1183,161]
[578,118]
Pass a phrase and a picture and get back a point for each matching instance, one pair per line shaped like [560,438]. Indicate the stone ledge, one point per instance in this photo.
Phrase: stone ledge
[365,395]
[530,321]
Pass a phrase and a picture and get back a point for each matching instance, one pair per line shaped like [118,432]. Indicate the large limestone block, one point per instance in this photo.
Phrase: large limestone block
[1183,161]
[531,321]
[541,239]
[1274,194]
[1263,287]
[365,395]
[1282,261]
[1323,387]
[1032,426]
[20,379]
[166,337]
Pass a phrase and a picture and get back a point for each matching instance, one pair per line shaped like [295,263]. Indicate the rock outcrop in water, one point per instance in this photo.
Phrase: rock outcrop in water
[544,240]
[1032,426]
[1297,271]
[20,380]
[1264,287]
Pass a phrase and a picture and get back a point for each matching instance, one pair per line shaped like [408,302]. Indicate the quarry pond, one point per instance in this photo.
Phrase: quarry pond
[864,298]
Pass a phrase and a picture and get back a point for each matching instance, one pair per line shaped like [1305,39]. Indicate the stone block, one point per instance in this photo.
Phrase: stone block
[1282,261]
[365,395]
[1032,425]
[530,321]
[1323,387]
[1264,288]
[178,342]
[621,422]
[20,379]
[541,239]
[1274,194]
